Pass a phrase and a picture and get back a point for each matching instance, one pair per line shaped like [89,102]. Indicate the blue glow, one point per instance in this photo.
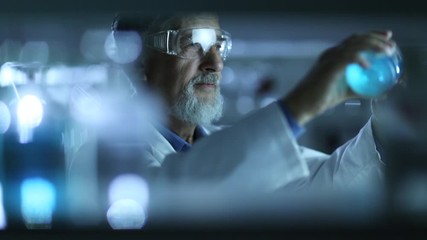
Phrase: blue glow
[7,74]
[123,46]
[37,201]
[129,186]
[5,117]
[2,212]
[30,111]
[378,78]
[126,214]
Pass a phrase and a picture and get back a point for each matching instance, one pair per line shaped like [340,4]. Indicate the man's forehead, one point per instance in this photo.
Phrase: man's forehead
[194,21]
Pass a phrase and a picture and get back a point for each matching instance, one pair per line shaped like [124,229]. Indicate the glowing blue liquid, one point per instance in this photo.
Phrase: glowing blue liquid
[382,74]
[37,201]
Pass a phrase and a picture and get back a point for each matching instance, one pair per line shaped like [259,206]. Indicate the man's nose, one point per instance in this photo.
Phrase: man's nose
[212,61]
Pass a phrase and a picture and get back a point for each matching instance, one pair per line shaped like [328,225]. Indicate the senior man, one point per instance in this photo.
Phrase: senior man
[182,60]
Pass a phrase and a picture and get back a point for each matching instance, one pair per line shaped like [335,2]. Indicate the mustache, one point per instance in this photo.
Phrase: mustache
[206,79]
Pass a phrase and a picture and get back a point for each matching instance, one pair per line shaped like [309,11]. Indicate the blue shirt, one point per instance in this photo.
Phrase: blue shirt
[180,145]
[295,127]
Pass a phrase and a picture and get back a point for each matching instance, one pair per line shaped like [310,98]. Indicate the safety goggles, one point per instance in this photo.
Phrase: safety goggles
[191,43]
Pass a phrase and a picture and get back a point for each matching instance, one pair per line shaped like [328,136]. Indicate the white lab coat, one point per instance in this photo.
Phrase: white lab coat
[258,154]
[356,163]
[261,153]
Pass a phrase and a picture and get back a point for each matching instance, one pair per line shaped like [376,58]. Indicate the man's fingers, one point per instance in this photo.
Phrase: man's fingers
[370,41]
[362,62]
[386,33]
[380,36]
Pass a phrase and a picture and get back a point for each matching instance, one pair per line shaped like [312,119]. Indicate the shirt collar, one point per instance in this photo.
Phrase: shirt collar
[178,143]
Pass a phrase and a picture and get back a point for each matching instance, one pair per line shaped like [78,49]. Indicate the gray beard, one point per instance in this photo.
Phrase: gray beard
[197,110]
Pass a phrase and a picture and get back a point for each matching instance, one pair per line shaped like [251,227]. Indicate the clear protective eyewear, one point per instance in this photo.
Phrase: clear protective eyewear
[191,43]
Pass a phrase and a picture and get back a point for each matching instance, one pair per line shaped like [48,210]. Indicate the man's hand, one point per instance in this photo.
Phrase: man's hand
[325,86]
